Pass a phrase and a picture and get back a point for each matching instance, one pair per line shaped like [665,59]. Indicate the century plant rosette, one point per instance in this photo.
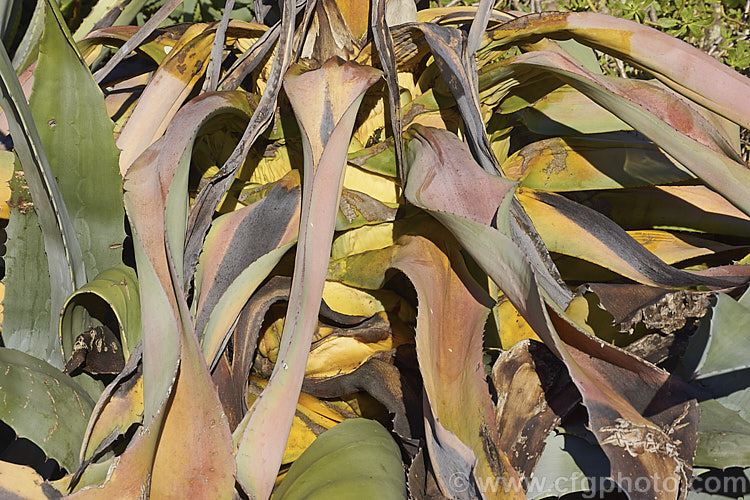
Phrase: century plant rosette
[374,251]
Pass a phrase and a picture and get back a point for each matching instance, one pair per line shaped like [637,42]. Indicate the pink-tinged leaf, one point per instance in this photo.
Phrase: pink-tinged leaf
[178,392]
[462,432]
[448,186]
[152,183]
[666,119]
[240,251]
[325,102]
[679,65]
[623,387]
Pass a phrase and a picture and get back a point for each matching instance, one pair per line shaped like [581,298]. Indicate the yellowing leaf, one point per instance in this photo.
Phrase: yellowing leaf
[512,326]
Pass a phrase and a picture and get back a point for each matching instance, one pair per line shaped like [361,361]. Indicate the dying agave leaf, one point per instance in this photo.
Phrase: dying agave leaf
[106,13]
[311,418]
[204,206]
[604,397]
[137,38]
[250,59]
[463,436]
[678,247]
[661,116]
[384,44]
[172,399]
[239,252]
[603,242]
[355,14]
[325,102]
[379,378]
[679,207]
[512,327]
[328,35]
[213,71]
[231,376]
[533,394]
[686,69]
[447,45]
[119,407]
[156,48]
[577,164]
[664,310]
[171,154]
[565,111]
[210,454]
[450,362]
[96,351]
[165,93]
[439,154]
[23,483]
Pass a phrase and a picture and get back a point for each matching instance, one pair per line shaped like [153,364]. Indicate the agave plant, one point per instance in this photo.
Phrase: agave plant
[370,251]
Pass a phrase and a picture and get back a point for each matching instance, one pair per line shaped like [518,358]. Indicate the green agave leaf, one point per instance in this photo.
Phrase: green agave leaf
[568,464]
[723,435]
[714,349]
[44,405]
[717,359]
[240,251]
[325,102]
[77,134]
[24,328]
[77,137]
[117,290]
[355,459]
[679,65]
